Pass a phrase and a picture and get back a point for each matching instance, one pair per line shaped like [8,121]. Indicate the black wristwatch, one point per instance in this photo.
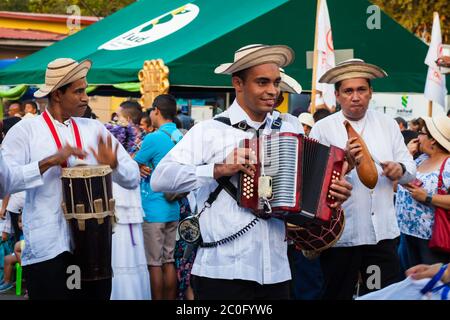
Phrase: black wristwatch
[428,199]
[403,168]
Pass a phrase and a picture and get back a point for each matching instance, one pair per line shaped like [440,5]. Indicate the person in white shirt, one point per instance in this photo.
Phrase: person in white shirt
[10,179]
[131,279]
[368,244]
[12,206]
[39,146]
[254,265]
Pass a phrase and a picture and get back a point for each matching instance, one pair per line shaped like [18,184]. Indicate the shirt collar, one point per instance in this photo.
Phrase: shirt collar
[168,124]
[66,123]
[237,114]
[357,122]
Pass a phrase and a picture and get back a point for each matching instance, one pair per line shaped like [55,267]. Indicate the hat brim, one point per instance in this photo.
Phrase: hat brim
[289,84]
[78,72]
[279,54]
[351,71]
[309,121]
[436,134]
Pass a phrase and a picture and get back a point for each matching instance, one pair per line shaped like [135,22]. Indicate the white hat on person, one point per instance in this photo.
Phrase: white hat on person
[289,84]
[257,54]
[306,118]
[439,129]
[350,69]
[61,72]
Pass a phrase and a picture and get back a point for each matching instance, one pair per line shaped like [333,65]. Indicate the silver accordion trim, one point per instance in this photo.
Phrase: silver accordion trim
[281,163]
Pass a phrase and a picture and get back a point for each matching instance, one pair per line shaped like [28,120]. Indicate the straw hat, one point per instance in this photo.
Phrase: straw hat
[289,84]
[256,54]
[439,129]
[306,118]
[350,69]
[61,72]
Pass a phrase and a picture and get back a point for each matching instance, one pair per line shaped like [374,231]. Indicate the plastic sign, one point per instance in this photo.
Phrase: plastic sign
[154,29]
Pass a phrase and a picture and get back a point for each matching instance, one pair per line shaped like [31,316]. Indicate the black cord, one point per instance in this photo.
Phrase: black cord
[241,232]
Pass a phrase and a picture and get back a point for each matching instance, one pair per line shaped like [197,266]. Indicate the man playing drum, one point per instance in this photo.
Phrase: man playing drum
[42,146]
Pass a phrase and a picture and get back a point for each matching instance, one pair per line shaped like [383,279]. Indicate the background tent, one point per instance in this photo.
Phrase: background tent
[218,30]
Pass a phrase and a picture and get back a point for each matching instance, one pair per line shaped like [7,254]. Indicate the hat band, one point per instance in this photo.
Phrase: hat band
[436,127]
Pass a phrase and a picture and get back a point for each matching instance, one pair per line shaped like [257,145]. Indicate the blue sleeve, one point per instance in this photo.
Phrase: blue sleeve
[147,151]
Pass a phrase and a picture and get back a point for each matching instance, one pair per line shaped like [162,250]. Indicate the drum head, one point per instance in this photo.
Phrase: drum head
[317,237]
[86,171]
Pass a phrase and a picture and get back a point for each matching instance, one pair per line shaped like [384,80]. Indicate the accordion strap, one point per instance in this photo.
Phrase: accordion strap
[242,125]
[225,184]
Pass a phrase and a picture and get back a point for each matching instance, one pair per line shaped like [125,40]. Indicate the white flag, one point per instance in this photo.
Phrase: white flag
[325,48]
[435,89]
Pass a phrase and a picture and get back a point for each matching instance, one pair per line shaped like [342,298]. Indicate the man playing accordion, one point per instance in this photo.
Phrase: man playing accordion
[240,257]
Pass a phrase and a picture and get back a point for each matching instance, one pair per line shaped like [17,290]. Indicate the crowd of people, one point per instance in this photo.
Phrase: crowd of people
[166,170]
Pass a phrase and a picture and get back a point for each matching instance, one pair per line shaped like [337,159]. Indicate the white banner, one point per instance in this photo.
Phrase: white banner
[325,50]
[435,88]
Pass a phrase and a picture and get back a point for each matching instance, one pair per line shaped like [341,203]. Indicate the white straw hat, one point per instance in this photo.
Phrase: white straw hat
[256,54]
[439,129]
[350,69]
[61,72]
[289,84]
[306,118]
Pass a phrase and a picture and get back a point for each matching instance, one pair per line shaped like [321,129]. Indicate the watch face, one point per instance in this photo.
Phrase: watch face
[189,229]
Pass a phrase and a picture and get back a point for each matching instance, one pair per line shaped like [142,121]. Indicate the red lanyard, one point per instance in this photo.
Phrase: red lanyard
[55,135]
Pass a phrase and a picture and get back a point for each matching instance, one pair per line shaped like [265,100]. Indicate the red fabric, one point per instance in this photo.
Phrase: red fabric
[440,236]
[55,135]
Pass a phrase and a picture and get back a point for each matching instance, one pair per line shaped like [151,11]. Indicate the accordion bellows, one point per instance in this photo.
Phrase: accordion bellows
[301,171]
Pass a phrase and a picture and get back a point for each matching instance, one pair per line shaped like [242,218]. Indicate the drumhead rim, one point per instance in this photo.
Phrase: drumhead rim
[86,171]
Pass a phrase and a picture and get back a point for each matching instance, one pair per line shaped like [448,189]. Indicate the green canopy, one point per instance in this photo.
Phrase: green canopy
[203,34]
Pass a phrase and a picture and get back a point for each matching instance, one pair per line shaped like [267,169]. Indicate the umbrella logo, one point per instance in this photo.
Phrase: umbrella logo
[154,29]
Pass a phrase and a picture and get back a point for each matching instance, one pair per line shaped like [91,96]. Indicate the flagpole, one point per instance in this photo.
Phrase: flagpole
[315,61]
[430,108]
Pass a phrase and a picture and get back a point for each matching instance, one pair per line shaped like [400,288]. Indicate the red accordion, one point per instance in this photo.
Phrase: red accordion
[292,180]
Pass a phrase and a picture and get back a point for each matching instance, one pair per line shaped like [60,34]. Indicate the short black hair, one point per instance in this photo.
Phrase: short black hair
[21,105]
[167,105]
[8,123]
[89,114]
[33,103]
[146,119]
[63,89]
[402,121]
[133,110]
[241,74]
[320,114]
[338,84]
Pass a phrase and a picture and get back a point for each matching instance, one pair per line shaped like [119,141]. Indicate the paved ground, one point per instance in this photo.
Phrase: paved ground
[11,295]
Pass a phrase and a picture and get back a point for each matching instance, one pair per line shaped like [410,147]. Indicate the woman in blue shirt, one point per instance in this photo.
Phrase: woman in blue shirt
[417,200]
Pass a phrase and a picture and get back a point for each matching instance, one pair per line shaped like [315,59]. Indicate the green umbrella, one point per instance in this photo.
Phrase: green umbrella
[193,38]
